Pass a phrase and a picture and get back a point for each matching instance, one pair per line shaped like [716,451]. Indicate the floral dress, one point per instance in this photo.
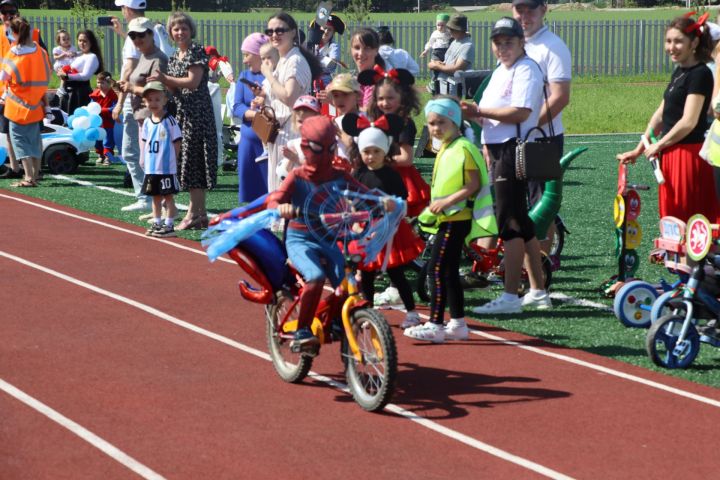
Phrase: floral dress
[197,164]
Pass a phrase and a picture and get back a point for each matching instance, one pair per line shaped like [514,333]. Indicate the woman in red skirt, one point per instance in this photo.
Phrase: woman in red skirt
[681,119]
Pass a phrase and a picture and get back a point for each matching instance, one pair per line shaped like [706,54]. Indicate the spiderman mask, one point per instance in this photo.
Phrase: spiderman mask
[319,144]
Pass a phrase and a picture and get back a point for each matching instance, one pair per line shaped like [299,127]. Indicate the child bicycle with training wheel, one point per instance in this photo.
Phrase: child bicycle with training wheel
[324,207]
[673,341]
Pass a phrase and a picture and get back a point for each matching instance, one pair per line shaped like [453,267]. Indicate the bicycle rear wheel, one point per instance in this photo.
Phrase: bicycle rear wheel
[371,380]
[292,367]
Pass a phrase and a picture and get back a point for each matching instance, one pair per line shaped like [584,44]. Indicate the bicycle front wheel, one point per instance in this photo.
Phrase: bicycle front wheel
[292,367]
[372,379]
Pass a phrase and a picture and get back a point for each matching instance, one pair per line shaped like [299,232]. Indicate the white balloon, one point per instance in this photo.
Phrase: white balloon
[94,108]
[81,123]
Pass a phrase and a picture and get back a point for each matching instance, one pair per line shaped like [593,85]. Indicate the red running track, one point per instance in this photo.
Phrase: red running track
[125,388]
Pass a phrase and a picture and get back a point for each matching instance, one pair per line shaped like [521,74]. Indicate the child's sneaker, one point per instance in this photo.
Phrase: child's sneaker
[304,341]
[155,227]
[429,332]
[391,296]
[456,330]
[500,305]
[541,302]
[411,319]
[166,231]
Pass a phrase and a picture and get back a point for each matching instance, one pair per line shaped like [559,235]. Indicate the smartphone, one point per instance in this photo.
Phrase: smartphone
[104,21]
[249,83]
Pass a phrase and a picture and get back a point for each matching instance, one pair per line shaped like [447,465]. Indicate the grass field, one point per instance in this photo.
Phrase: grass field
[587,261]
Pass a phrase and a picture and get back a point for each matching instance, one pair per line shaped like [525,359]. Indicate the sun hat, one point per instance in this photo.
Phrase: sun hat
[140,25]
[253,42]
[134,4]
[530,3]
[307,101]
[457,22]
[507,26]
[150,86]
[343,82]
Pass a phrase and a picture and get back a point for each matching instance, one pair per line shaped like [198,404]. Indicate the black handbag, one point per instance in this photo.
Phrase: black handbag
[538,159]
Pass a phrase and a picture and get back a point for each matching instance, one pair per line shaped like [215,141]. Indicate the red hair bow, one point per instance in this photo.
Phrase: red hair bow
[381,123]
[380,74]
[696,27]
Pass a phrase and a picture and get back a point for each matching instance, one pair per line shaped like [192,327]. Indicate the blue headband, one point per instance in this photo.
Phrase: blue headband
[446,108]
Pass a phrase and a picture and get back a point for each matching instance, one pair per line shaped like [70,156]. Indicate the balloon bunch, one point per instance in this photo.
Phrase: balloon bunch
[85,123]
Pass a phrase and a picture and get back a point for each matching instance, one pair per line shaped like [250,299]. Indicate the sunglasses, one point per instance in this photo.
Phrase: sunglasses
[278,31]
[134,35]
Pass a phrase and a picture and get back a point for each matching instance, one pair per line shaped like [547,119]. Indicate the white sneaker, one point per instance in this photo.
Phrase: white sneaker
[500,305]
[428,331]
[456,330]
[411,319]
[137,206]
[391,296]
[541,302]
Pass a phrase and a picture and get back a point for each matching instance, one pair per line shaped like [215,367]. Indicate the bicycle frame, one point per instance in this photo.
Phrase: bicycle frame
[342,301]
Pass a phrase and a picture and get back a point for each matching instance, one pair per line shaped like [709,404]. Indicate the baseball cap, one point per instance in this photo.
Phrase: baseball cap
[11,3]
[507,26]
[307,101]
[140,25]
[343,82]
[157,86]
[529,3]
[714,29]
[134,4]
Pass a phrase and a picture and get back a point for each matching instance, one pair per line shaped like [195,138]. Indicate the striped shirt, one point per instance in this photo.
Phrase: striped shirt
[158,152]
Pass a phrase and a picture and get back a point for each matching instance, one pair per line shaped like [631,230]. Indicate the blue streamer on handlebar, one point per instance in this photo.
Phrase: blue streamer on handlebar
[224,236]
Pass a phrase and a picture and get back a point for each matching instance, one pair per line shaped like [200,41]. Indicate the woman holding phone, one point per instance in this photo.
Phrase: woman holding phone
[252,175]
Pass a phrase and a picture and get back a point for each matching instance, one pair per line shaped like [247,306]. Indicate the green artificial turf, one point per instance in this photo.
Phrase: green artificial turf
[588,259]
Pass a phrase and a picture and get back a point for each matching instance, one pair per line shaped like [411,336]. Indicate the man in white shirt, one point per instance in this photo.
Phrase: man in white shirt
[553,56]
[131,9]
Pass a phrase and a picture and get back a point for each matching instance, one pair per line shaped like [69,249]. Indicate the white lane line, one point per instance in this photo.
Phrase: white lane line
[103,445]
[113,227]
[580,302]
[564,358]
[85,183]
[450,433]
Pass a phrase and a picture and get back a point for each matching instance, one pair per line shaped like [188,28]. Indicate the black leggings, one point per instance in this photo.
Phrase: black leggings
[444,271]
[397,277]
[716,174]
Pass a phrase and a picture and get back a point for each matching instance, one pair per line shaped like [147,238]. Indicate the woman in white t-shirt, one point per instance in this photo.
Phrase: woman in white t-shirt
[77,75]
[509,108]
[291,78]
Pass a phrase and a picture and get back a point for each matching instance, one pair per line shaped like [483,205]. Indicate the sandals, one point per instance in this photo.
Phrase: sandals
[198,222]
[24,184]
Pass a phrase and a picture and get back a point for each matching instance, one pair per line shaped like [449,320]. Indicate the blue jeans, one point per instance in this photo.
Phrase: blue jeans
[131,150]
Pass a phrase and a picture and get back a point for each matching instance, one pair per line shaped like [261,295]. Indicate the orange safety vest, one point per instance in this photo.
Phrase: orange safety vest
[5,46]
[29,79]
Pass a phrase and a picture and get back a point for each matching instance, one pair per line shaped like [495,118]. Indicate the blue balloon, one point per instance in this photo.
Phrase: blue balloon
[81,112]
[69,121]
[95,121]
[92,134]
[102,134]
[3,154]
[78,136]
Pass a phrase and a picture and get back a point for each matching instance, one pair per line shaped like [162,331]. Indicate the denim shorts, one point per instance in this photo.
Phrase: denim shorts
[313,259]
[26,140]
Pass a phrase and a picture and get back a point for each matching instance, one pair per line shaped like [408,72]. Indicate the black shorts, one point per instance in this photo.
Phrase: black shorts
[536,188]
[160,185]
[510,193]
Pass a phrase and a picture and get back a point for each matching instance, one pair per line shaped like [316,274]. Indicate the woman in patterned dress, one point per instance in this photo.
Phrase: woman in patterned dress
[187,79]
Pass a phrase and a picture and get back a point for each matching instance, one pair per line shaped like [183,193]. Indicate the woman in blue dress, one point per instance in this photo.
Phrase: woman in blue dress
[252,175]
